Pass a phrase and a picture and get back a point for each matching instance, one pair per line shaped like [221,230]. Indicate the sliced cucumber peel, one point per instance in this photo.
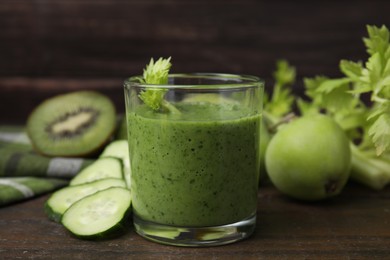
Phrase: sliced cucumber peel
[102,215]
[102,168]
[62,199]
[119,149]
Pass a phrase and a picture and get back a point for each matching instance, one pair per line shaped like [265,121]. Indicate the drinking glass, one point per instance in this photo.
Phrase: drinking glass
[194,156]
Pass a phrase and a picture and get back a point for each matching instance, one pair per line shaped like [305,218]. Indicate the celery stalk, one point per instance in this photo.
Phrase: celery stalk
[369,171]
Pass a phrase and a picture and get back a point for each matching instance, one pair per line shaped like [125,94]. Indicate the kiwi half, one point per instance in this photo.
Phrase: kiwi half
[74,124]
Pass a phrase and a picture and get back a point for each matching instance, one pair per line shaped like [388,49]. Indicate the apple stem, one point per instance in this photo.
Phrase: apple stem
[284,120]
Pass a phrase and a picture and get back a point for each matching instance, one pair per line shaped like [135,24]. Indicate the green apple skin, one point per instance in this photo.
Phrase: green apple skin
[265,137]
[309,158]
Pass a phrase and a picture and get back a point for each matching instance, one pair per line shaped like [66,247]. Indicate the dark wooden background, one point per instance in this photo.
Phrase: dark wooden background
[55,46]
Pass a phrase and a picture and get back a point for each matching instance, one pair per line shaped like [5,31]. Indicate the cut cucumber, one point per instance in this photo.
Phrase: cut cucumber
[100,215]
[119,149]
[62,199]
[100,169]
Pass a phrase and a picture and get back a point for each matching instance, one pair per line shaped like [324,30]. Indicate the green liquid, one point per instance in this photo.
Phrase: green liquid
[199,168]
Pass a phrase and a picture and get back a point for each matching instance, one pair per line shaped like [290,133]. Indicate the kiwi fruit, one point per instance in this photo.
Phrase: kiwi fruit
[76,124]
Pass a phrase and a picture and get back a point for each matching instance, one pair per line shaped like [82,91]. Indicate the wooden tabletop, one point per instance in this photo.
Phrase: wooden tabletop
[354,225]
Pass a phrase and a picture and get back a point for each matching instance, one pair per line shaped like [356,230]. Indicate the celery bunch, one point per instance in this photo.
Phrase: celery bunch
[367,124]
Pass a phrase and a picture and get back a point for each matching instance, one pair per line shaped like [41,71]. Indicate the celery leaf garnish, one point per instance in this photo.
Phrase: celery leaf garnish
[156,73]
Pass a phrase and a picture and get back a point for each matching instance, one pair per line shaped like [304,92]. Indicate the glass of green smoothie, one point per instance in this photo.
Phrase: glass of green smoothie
[194,156]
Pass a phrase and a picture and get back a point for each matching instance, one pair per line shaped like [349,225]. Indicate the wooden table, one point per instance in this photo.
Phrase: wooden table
[355,225]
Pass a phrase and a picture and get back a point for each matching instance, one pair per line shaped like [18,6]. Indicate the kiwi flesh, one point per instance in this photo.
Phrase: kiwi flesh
[76,124]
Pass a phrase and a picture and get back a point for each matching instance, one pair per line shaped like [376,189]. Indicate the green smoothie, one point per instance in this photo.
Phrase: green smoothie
[199,168]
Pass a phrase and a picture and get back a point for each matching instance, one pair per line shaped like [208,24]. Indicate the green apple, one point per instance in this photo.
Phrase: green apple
[265,137]
[309,158]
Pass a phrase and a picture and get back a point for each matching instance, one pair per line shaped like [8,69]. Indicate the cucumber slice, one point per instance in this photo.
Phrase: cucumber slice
[100,215]
[62,199]
[100,169]
[119,149]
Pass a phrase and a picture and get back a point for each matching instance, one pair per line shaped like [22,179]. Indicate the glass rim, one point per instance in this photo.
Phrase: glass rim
[232,81]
